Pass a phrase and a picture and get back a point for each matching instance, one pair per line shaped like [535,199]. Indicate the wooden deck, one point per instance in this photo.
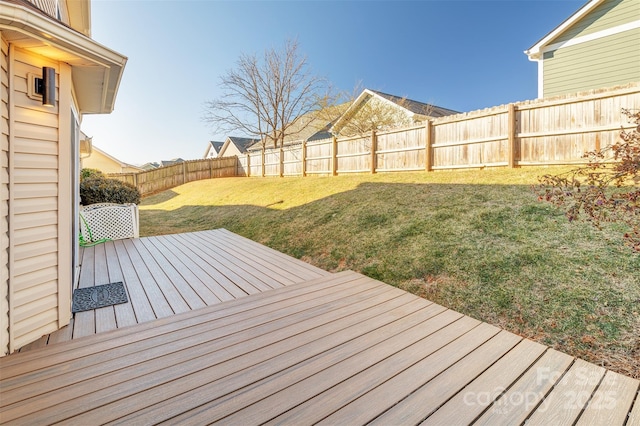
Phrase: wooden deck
[171,274]
[333,349]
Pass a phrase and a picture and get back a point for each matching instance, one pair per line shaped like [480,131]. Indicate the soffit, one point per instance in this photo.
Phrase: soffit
[96,70]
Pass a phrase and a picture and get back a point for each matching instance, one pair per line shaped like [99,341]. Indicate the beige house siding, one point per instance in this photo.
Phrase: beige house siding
[38,283]
[107,164]
[4,197]
[47,6]
[609,14]
[589,65]
[230,150]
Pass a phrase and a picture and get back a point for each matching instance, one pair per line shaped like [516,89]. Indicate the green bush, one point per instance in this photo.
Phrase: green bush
[104,190]
[90,174]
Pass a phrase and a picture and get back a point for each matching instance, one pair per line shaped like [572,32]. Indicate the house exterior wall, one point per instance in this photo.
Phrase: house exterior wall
[97,160]
[50,7]
[230,150]
[609,14]
[598,51]
[4,197]
[40,279]
[604,62]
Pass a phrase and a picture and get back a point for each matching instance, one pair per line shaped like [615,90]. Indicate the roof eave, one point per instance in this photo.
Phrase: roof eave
[353,108]
[535,52]
[97,70]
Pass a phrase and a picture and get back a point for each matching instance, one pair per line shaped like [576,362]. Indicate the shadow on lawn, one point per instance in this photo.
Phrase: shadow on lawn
[489,251]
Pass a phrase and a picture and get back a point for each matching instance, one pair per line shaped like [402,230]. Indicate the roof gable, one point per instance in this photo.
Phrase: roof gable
[113,159]
[535,51]
[413,109]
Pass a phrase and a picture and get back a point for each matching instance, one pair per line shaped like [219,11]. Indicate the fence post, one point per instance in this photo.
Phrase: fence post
[135,180]
[304,158]
[513,149]
[263,168]
[334,156]
[281,160]
[184,172]
[210,168]
[374,144]
[428,147]
[248,173]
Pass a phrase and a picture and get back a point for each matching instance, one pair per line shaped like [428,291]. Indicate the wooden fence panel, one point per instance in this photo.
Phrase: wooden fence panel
[401,150]
[318,159]
[560,131]
[272,162]
[293,160]
[242,168]
[557,130]
[354,154]
[255,158]
[156,180]
[471,140]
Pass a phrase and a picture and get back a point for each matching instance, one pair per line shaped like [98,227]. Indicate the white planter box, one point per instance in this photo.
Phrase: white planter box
[108,221]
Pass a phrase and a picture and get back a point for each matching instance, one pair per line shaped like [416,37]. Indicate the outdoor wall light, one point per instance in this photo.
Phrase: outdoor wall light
[46,86]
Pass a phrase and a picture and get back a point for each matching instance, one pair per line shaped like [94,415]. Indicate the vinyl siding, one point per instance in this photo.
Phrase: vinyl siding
[99,161]
[47,6]
[4,198]
[34,196]
[604,62]
[609,14]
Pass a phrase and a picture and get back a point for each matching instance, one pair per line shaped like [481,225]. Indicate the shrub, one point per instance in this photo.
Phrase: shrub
[90,174]
[104,190]
[606,189]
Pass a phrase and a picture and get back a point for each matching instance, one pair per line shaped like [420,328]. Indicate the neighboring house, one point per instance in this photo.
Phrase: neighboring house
[234,145]
[596,47]
[172,162]
[373,110]
[213,149]
[106,163]
[150,166]
[51,74]
[309,127]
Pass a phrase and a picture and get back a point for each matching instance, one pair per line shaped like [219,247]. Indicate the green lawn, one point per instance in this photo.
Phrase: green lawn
[476,241]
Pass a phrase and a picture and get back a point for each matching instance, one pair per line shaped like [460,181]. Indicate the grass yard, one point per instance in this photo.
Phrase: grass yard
[476,241]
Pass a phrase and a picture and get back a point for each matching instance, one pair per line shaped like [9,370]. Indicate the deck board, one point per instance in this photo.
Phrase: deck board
[483,391]
[124,313]
[171,274]
[328,348]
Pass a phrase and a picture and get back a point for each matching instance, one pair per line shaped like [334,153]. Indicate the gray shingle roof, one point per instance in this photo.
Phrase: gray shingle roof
[243,143]
[216,145]
[416,106]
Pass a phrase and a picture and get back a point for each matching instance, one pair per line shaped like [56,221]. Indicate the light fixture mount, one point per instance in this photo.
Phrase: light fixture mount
[46,86]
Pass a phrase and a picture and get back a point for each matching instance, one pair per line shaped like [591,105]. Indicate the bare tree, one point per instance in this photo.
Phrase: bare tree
[265,97]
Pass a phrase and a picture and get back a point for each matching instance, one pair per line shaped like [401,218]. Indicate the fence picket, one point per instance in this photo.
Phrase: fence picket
[551,131]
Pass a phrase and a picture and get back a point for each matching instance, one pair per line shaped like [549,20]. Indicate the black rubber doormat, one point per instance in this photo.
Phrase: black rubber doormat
[85,299]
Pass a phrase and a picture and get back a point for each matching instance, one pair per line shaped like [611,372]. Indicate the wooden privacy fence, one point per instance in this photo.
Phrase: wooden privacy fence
[549,131]
[163,178]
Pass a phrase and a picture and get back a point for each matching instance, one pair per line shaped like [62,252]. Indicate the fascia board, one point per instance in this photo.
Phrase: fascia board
[534,52]
[20,19]
[355,105]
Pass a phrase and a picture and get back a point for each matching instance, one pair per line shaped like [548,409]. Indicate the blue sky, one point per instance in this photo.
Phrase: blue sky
[462,55]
